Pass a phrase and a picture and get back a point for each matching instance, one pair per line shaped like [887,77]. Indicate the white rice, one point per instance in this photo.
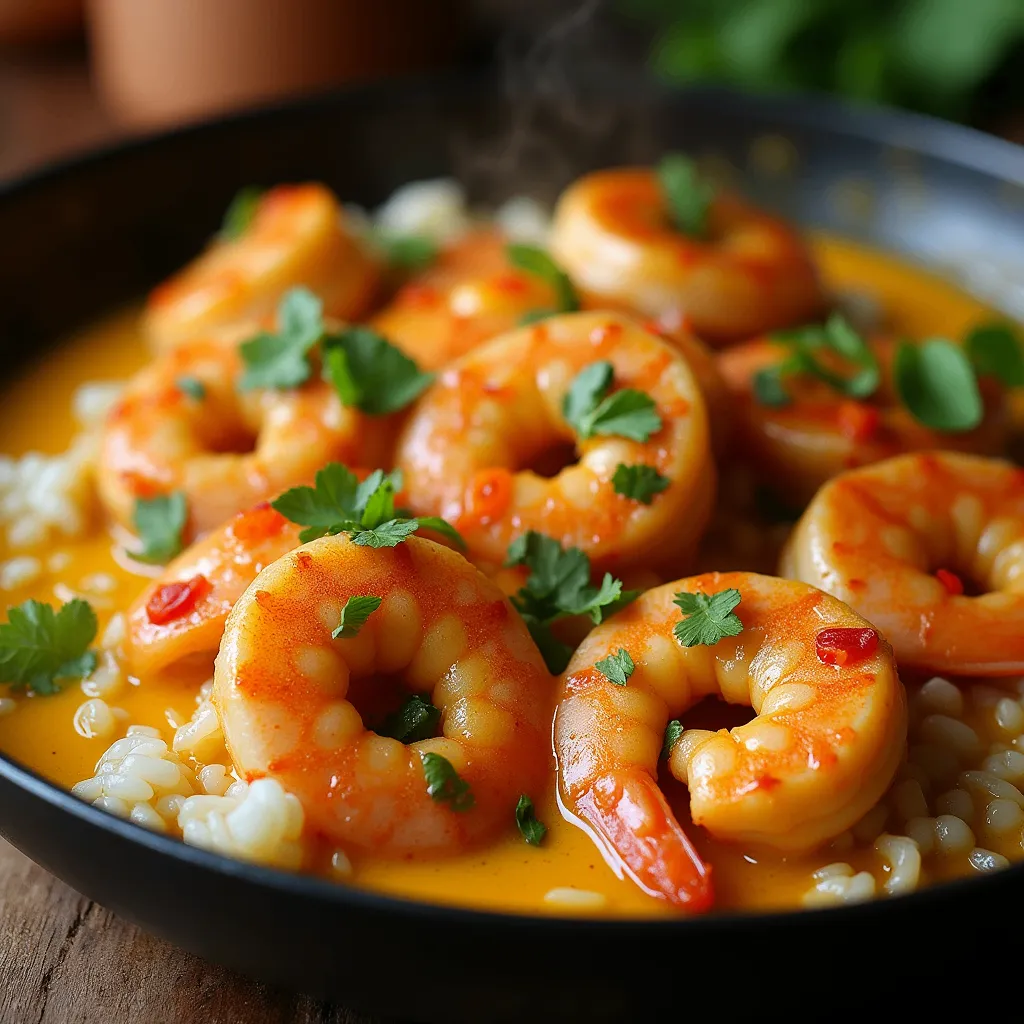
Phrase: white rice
[524,220]
[436,209]
[92,401]
[7,706]
[837,884]
[571,898]
[17,572]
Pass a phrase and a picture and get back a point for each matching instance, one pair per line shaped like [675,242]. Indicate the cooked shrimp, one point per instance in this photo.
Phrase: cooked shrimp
[824,746]
[471,444]
[179,618]
[796,447]
[297,237]
[902,539]
[230,448]
[470,295]
[281,685]
[753,273]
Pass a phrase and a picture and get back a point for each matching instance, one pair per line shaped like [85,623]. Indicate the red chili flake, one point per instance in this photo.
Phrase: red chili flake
[654,327]
[258,523]
[175,600]
[845,645]
[513,284]
[419,295]
[605,332]
[857,421]
[953,584]
[768,782]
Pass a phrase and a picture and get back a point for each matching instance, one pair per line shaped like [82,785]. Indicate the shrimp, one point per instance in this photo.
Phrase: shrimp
[283,689]
[796,447]
[227,449]
[470,295]
[901,539]
[827,739]
[179,618]
[753,273]
[297,236]
[473,445]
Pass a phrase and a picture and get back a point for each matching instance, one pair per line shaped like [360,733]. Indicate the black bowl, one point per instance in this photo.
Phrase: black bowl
[84,236]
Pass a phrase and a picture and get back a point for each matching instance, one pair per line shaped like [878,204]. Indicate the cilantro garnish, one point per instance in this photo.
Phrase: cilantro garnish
[240,213]
[444,784]
[338,503]
[354,615]
[995,351]
[368,372]
[281,360]
[937,384]
[641,483]
[533,830]
[709,617]
[407,252]
[159,522]
[687,194]
[617,667]
[537,262]
[590,410]
[415,720]
[191,386]
[559,586]
[673,731]
[39,646]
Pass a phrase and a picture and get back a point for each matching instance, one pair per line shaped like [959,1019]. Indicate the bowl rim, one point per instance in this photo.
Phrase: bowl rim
[885,127]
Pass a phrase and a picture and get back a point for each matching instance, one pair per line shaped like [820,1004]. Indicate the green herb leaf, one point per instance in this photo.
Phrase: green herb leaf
[768,387]
[443,527]
[673,731]
[687,194]
[590,410]
[641,483]
[240,213]
[407,252]
[537,262]
[589,386]
[331,501]
[709,617]
[375,498]
[995,351]
[616,668]
[415,720]
[368,372]
[39,647]
[354,615]
[532,316]
[191,386]
[159,522]
[444,784]
[531,828]
[281,360]
[386,535]
[936,382]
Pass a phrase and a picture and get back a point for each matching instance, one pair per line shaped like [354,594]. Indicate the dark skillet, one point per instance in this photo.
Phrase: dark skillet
[84,236]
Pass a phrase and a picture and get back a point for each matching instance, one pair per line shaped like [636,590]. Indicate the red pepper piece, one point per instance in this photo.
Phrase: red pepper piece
[953,584]
[175,600]
[857,421]
[845,645]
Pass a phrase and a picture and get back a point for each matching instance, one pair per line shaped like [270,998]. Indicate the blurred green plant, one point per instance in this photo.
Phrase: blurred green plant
[933,55]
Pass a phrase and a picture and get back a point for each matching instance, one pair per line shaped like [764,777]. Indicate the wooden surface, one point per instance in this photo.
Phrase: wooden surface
[66,960]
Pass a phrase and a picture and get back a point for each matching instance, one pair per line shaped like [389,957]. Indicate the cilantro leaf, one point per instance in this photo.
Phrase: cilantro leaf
[768,387]
[710,617]
[375,498]
[537,262]
[995,351]
[589,386]
[641,483]
[354,615]
[407,252]
[673,731]
[532,829]
[444,784]
[415,720]
[589,409]
[443,527]
[39,646]
[319,508]
[687,195]
[281,360]
[556,653]
[368,372]
[241,212]
[385,535]
[159,522]
[617,667]
[936,382]
[191,386]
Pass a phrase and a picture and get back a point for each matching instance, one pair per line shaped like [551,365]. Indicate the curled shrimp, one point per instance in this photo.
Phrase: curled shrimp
[297,236]
[797,446]
[824,746]
[901,540]
[752,273]
[284,690]
[471,294]
[470,445]
[225,449]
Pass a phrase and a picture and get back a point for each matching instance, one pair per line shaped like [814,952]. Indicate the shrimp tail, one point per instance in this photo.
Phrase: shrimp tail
[629,813]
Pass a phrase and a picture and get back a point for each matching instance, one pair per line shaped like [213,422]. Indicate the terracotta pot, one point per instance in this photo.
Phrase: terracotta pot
[168,60]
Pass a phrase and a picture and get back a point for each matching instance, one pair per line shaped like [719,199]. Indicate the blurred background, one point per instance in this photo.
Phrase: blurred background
[74,73]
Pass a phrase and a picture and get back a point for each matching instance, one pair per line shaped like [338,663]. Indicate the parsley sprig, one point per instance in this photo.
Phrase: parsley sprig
[687,194]
[406,252]
[673,731]
[530,826]
[641,483]
[38,646]
[415,720]
[709,617]
[558,587]
[160,523]
[617,667]
[339,503]
[241,212]
[589,408]
[537,262]
[444,784]
[280,359]
[354,615]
